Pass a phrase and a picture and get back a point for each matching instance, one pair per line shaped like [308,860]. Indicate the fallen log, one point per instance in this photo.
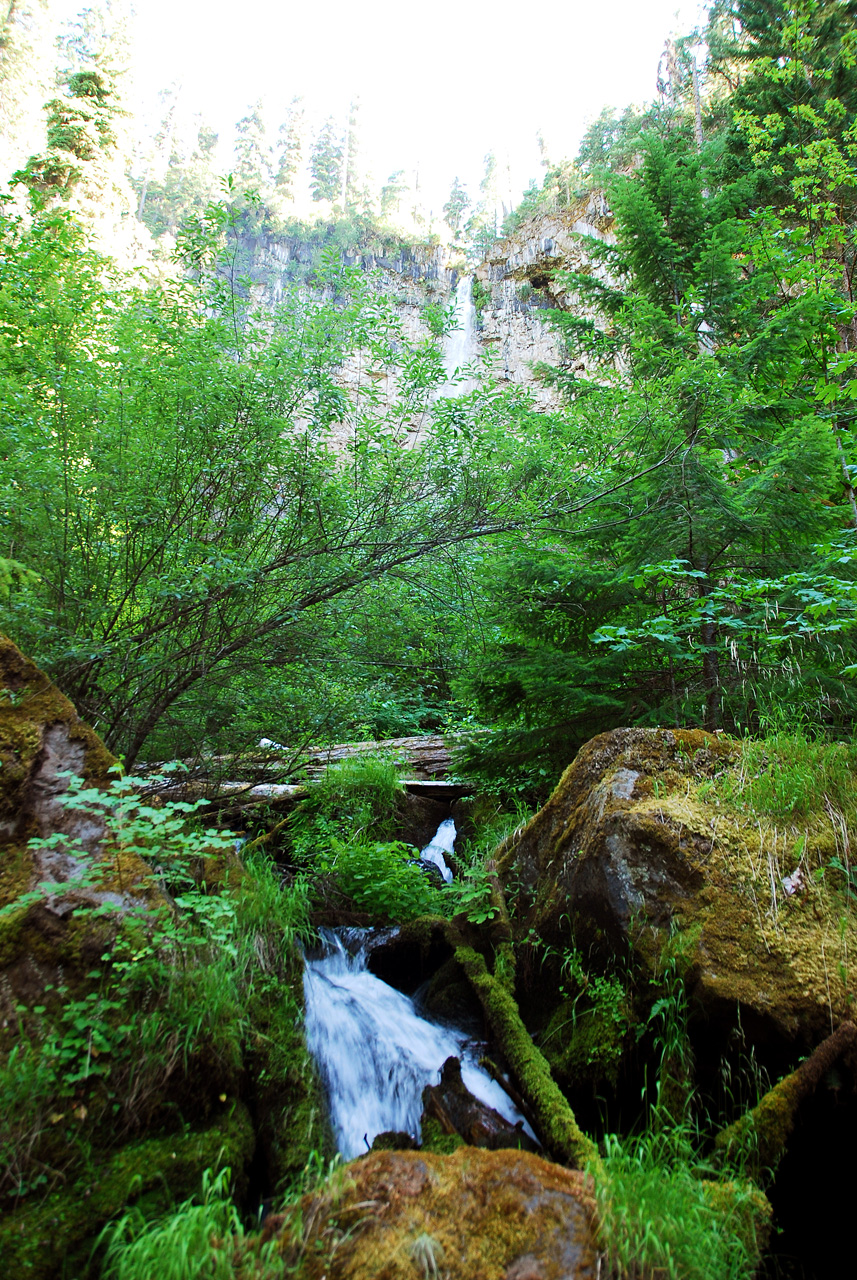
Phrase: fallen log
[759,1138]
[556,1123]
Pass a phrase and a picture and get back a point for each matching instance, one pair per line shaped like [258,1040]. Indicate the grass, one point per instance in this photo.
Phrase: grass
[791,777]
[658,1219]
[204,1236]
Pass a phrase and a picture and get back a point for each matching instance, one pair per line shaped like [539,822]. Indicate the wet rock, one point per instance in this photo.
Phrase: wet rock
[495,1215]
[86,886]
[453,1107]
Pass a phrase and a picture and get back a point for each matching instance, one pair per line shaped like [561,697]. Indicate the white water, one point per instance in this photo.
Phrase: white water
[441,842]
[460,345]
[374,1051]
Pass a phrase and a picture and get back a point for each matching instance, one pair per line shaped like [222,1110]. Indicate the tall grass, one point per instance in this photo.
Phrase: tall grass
[657,1220]
[203,1237]
[789,776]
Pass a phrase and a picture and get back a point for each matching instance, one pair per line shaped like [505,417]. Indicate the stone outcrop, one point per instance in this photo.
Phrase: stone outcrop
[42,742]
[495,1215]
[523,275]
[455,1111]
[635,856]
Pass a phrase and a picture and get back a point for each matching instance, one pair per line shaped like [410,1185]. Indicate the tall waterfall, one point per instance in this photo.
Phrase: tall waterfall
[460,345]
[374,1051]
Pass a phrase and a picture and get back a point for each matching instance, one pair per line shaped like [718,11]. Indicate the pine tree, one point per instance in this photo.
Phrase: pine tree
[326,156]
[290,145]
[254,157]
[456,207]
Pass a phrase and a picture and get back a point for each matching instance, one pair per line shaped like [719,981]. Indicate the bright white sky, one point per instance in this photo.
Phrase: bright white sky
[439,84]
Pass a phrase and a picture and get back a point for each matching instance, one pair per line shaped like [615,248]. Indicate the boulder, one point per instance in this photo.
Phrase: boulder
[637,855]
[495,1215]
[452,1106]
[54,931]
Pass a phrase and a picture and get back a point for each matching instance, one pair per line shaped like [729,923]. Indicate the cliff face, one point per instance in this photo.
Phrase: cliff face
[520,280]
[516,283]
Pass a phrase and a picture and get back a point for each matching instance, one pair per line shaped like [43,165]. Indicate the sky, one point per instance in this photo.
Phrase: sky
[439,85]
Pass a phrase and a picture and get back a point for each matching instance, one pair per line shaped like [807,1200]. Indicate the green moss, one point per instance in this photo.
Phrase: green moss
[434,1139]
[30,703]
[747,1211]
[557,1125]
[758,1139]
[291,1114]
[37,1239]
[583,1046]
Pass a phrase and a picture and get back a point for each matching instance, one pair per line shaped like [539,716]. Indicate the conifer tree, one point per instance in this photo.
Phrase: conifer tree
[254,157]
[326,158]
[290,146]
[456,206]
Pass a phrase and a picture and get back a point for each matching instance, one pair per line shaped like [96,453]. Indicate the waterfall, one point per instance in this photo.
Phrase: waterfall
[460,345]
[375,1053]
[441,842]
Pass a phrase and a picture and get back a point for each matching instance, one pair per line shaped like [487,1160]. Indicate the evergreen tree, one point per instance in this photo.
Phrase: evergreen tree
[254,157]
[290,146]
[326,158]
[392,194]
[456,207]
[482,224]
[705,365]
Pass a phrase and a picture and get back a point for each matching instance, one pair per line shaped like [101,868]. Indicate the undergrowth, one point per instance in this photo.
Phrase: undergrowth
[792,777]
[658,1218]
[203,1237]
[342,834]
[93,1062]
[206,1237]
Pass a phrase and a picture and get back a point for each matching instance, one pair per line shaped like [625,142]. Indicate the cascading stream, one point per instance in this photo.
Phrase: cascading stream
[460,346]
[374,1051]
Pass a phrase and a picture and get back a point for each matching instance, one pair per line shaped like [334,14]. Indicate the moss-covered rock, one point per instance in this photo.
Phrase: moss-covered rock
[41,735]
[636,843]
[37,1239]
[88,886]
[491,1215]
[287,1097]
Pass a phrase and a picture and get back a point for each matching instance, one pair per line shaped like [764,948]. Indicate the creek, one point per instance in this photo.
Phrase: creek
[375,1051]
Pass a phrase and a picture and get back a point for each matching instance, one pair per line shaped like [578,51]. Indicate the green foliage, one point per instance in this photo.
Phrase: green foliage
[656,1216]
[380,877]
[342,831]
[203,1237]
[790,776]
[170,1000]
[358,797]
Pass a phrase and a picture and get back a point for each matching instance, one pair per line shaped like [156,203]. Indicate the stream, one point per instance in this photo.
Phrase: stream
[374,1051]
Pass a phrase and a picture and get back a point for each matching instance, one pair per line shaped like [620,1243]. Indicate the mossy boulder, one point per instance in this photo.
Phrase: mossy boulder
[38,1238]
[86,886]
[41,735]
[495,1215]
[639,853]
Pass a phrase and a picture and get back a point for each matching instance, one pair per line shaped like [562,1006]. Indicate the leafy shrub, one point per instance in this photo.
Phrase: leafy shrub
[381,877]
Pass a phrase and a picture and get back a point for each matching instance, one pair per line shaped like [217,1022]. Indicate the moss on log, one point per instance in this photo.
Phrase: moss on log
[557,1124]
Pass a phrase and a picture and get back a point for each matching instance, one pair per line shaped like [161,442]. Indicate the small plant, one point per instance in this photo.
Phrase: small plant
[380,877]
